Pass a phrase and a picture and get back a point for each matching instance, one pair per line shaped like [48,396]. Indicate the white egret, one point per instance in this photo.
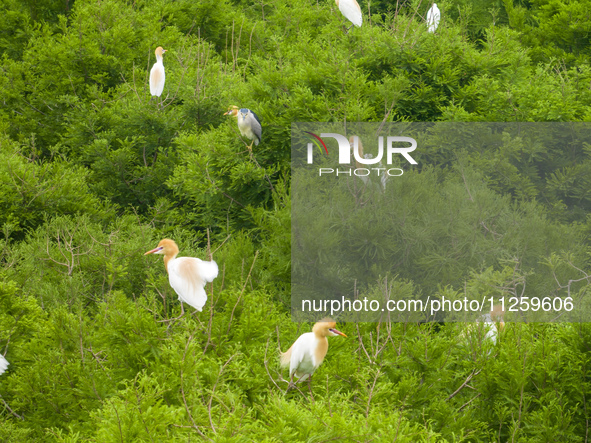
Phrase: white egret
[433,16]
[187,275]
[492,323]
[308,351]
[3,364]
[157,74]
[351,10]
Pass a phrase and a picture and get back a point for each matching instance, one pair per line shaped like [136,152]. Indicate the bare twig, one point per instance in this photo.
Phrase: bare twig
[371,392]
[473,374]
[194,425]
[470,401]
[213,391]
[8,407]
[242,292]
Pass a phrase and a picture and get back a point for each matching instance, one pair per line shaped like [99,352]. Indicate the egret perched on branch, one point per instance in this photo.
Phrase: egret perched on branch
[3,364]
[351,10]
[187,275]
[157,74]
[433,16]
[309,350]
[248,124]
[492,322]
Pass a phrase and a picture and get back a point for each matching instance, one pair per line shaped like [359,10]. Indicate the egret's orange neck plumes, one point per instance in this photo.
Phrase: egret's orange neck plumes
[166,247]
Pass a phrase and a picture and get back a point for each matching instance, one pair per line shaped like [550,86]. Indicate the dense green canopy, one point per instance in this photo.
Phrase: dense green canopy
[94,172]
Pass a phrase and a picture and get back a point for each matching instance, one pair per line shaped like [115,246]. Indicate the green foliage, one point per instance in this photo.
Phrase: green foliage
[33,187]
[94,172]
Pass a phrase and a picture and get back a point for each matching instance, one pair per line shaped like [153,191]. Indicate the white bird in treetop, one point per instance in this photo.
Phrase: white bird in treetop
[490,323]
[157,74]
[187,275]
[433,16]
[3,364]
[309,350]
[248,124]
[351,10]
[494,323]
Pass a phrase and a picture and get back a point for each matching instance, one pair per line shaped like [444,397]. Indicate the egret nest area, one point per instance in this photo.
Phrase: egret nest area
[358,218]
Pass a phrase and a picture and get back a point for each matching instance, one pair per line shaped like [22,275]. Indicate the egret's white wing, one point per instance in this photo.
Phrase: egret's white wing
[157,79]
[491,332]
[188,276]
[3,364]
[489,327]
[208,270]
[351,10]
[433,17]
[257,129]
[250,126]
[302,356]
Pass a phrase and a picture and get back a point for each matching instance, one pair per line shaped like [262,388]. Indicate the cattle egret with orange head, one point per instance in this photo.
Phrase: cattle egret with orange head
[309,350]
[351,10]
[3,364]
[157,74]
[187,275]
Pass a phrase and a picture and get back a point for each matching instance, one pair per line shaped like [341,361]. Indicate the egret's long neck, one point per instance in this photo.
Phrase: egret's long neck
[321,349]
[167,259]
[158,58]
